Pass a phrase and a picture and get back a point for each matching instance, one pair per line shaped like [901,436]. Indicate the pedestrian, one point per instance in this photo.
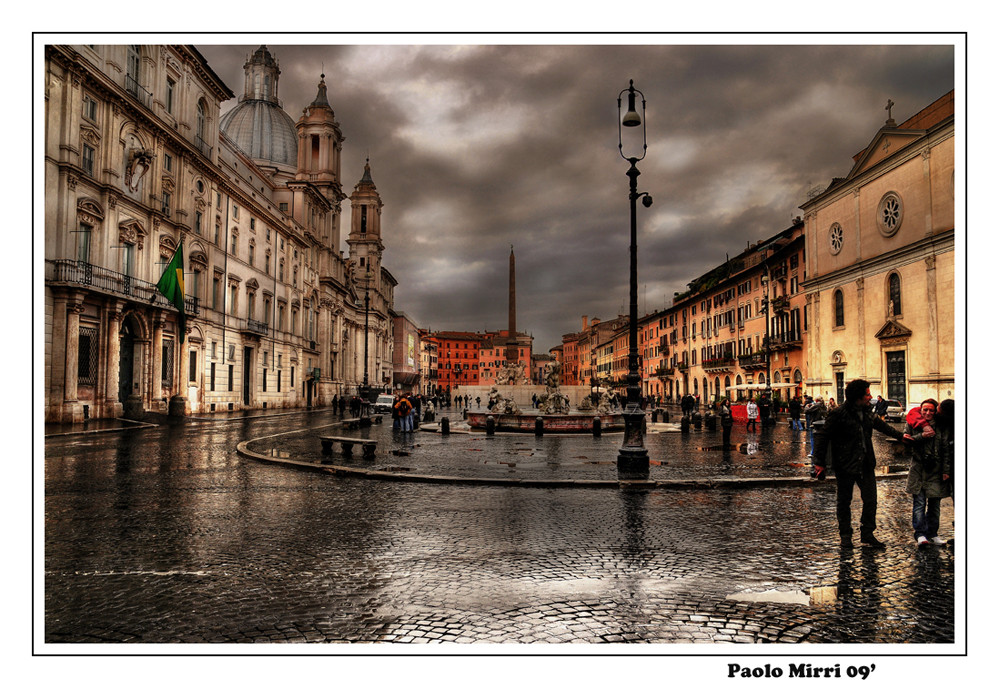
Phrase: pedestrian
[795,413]
[831,405]
[848,433]
[815,411]
[726,419]
[752,412]
[946,428]
[403,409]
[932,457]
[765,410]
[687,404]
[342,405]
[411,418]
[881,405]
[478,400]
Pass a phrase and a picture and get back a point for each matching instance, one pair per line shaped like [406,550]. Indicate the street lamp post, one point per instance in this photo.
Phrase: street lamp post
[364,392]
[765,281]
[633,458]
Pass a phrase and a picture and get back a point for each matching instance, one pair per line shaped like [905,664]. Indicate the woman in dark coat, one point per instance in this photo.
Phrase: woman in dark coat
[930,472]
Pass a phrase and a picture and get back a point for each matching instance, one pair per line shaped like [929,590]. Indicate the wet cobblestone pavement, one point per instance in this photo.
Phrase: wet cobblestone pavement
[166,535]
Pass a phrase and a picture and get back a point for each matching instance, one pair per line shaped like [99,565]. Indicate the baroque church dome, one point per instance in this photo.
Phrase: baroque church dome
[258,124]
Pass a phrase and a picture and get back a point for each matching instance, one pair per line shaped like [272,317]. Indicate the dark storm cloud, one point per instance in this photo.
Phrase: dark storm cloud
[477,147]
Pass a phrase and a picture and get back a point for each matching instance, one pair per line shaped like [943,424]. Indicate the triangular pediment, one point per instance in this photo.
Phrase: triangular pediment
[886,143]
[893,329]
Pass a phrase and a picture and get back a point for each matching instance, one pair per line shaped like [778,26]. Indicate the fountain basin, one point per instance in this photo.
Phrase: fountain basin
[551,423]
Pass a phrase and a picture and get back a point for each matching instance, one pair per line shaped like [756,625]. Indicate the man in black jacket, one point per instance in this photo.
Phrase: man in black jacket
[848,433]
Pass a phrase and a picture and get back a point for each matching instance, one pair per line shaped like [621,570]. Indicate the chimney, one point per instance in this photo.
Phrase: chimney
[584,323]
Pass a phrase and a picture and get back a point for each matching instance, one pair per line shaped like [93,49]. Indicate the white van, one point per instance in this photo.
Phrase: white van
[383,405]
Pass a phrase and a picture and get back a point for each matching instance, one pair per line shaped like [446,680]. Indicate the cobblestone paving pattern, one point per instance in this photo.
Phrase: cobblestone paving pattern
[165,535]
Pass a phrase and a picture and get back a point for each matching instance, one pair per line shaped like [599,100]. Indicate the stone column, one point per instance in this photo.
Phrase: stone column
[156,387]
[178,403]
[57,359]
[113,317]
[71,409]
[862,336]
[932,314]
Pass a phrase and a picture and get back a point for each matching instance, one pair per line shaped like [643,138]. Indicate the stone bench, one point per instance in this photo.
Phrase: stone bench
[352,424]
[347,445]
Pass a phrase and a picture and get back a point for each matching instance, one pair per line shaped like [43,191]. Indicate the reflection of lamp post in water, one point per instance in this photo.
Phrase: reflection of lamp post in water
[633,458]
[765,281]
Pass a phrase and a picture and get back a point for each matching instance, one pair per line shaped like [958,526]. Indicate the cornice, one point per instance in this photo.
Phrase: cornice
[919,250]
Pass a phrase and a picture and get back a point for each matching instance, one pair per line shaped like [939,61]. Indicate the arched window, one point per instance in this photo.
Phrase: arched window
[132,69]
[838,309]
[199,123]
[895,295]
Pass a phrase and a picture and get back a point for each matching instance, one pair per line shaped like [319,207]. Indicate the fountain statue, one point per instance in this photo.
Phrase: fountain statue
[603,406]
[501,404]
[552,401]
[512,373]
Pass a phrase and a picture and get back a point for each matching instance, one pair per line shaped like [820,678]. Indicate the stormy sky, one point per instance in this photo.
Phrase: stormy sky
[475,148]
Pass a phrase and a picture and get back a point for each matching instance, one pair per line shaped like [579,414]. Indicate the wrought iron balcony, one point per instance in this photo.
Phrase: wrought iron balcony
[789,340]
[203,146]
[108,281]
[720,364]
[755,360]
[138,92]
[664,371]
[779,304]
[254,327]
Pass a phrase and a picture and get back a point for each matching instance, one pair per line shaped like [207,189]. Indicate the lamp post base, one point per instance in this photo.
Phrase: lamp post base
[633,463]
[633,458]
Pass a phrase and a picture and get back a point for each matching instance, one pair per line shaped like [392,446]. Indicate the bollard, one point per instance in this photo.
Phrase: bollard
[697,421]
[539,426]
[710,422]
[445,426]
[465,413]
[429,416]
[596,426]
[686,424]
[666,415]
[491,425]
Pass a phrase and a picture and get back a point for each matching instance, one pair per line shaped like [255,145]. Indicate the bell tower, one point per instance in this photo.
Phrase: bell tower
[365,238]
[318,161]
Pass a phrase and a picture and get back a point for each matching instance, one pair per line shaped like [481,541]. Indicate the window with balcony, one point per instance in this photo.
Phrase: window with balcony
[83,243]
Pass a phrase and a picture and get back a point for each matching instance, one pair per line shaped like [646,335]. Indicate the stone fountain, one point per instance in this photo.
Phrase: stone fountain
[554,410]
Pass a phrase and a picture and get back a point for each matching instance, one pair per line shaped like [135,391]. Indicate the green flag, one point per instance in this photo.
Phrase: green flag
[171,284]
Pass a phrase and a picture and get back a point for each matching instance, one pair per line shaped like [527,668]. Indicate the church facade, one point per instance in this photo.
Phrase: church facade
[880,252]
[139,165]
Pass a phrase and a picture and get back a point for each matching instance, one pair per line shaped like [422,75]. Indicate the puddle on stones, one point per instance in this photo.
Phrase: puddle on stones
[816,595]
